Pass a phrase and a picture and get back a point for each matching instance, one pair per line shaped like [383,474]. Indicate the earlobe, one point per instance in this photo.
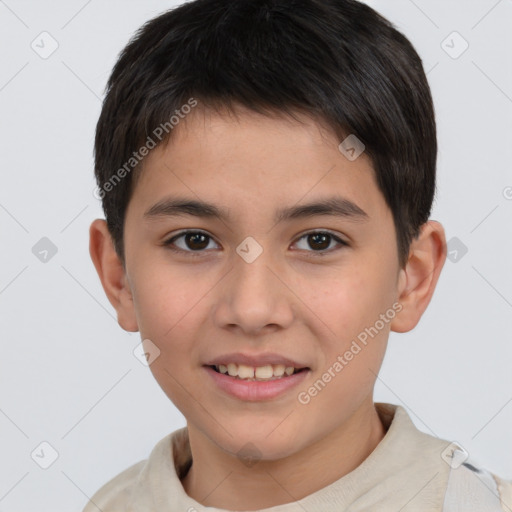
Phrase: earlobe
[112,274]
[417,281]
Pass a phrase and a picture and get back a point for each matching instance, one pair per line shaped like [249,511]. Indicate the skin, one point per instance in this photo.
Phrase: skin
[289,300]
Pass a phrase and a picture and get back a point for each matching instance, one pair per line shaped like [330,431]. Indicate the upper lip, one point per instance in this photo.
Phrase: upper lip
[255,360]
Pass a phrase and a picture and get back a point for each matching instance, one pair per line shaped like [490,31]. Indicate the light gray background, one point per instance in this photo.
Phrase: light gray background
[68,373]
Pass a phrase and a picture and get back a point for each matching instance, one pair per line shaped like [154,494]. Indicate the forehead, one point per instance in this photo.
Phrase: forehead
[251,161]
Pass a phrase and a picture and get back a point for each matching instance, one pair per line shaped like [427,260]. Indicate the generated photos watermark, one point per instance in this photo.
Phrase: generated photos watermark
[305,396]
[143,151]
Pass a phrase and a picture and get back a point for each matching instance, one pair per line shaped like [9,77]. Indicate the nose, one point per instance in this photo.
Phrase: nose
[254,297]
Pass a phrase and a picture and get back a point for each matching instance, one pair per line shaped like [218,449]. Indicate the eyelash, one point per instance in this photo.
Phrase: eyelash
[169,243]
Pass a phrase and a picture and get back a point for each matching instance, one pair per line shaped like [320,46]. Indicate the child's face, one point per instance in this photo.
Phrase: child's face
[303,298]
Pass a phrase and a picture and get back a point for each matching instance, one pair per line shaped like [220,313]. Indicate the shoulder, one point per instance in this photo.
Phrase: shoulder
[116,492]
[459,483]
[136,486]
[505,492]
[471,487]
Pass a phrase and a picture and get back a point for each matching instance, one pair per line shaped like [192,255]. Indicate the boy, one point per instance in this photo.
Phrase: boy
[267,171]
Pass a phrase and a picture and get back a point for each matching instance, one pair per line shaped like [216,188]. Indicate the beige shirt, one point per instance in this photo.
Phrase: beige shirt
[406,471]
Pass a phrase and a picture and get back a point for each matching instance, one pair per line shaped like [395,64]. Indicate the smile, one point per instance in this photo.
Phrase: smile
[259,373]
[255,388]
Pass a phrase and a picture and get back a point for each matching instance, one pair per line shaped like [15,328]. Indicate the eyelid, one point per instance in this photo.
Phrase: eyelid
[169,241]
[340,241]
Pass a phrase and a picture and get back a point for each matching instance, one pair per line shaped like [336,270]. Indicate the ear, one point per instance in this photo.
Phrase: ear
[112,274]
[418,279]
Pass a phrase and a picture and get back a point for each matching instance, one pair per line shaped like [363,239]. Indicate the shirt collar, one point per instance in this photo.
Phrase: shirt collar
[405,467]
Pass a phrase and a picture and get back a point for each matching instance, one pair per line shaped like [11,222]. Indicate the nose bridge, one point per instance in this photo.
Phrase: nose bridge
[252,273]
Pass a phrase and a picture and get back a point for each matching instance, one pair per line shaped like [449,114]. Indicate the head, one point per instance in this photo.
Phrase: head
[224,119]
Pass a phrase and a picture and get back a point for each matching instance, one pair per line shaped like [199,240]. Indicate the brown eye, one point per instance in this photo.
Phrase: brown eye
[320,241]
[190,241]
[196,241]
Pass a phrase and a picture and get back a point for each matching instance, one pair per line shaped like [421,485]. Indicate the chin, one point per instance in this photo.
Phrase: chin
[263,444]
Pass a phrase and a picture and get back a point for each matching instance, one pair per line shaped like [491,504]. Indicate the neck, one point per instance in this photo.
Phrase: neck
[220,481]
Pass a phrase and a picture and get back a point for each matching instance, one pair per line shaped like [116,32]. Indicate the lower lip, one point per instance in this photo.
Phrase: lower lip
[253,390]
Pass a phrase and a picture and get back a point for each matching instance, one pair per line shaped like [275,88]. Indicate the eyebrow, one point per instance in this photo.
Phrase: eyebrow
[336,206]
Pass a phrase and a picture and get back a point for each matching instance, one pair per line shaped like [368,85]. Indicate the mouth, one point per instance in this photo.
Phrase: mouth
[256,384]
[264,373]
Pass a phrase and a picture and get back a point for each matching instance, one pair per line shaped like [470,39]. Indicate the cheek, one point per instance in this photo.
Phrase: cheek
[351,307]
[171,306]
[354,355]
[163,298]
[347,303]
[167,308]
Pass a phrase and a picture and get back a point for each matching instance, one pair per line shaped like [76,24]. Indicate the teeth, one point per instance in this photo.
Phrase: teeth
[279,370]
[267,372]
[262,372]
[245,372]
